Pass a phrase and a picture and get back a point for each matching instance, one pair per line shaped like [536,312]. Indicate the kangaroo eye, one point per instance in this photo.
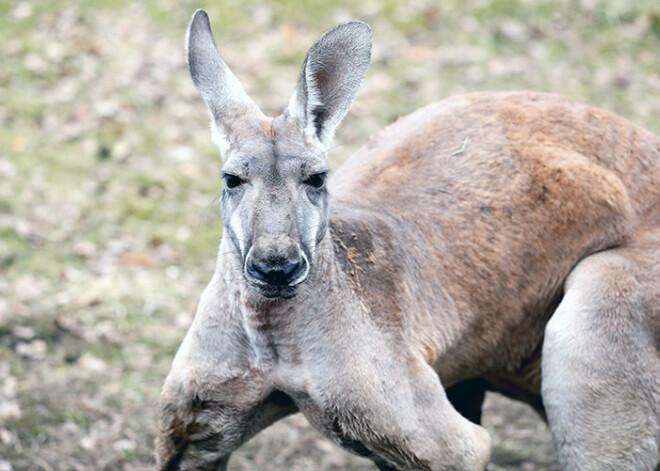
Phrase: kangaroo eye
[317,180]
[232,181]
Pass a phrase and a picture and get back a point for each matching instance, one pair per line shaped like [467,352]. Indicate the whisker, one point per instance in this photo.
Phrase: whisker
[205,212]
[226,236]
[333,147]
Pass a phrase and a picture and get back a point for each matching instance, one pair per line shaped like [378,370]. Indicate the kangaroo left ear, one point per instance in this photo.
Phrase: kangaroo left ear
[331,77]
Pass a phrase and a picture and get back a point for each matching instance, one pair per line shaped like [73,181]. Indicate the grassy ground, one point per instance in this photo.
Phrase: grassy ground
[108,180]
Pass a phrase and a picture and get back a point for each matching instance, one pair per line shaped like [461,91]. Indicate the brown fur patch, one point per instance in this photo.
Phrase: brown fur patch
[269,131]
[366,252]
[541,182]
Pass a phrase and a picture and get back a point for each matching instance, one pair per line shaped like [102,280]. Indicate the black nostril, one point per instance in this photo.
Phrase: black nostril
[289,269]
[274,274]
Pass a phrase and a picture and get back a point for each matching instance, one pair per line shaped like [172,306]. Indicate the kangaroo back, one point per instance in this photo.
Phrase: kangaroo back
[495,197]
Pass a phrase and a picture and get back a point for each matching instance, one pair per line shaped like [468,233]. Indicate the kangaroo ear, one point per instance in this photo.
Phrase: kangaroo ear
[331,76]
[222,92]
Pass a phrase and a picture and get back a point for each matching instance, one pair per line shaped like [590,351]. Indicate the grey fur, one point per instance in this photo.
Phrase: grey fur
[222,92]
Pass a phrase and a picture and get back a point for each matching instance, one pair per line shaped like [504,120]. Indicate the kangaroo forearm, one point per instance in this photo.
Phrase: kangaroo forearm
[194,438]
[203,436]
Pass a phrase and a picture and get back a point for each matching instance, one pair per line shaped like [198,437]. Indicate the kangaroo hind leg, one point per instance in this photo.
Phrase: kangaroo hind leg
[601,362]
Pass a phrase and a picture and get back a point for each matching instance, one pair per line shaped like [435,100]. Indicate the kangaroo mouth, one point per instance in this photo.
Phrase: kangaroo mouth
[272,292]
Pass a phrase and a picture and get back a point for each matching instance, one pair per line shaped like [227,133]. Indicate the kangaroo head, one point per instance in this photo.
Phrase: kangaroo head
[274,197]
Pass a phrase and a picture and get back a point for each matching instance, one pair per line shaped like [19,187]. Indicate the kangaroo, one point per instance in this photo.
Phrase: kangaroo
[500,241]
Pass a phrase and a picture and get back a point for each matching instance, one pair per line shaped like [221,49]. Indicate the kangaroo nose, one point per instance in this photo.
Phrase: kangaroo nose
[275,274]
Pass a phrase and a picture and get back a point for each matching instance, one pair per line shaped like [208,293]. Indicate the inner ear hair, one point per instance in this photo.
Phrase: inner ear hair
[331,77]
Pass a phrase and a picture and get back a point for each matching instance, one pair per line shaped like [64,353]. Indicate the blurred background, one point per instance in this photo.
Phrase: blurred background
[109,221]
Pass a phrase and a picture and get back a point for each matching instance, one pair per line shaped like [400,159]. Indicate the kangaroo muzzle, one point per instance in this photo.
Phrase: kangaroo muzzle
[275,266]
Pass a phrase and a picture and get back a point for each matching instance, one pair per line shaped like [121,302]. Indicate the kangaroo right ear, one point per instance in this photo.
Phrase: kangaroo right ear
[331,77]
[222,92]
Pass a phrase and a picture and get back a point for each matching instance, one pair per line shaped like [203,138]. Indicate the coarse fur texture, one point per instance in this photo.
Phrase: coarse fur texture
[505,241]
